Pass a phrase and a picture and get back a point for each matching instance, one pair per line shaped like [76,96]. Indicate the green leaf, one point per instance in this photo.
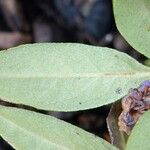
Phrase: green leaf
[133,21]
[140,136]
[67,77]
[26,130]
[147,62]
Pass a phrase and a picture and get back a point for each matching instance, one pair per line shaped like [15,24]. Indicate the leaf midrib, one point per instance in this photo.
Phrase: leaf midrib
[76,75]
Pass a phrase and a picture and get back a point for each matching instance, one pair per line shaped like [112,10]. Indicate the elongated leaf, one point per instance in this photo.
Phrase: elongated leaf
[26,130]
[67,77]
[140,136]
[133,21]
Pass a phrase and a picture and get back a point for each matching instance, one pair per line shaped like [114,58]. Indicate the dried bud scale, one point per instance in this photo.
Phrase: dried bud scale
[134,105]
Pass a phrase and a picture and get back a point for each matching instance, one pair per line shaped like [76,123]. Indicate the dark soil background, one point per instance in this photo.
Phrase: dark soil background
[82,21]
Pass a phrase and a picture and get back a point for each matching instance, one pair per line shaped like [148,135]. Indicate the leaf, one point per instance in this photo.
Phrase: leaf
[118,138]
[140,135]
[133,21]
[67,77]
[26,130]
[147,62]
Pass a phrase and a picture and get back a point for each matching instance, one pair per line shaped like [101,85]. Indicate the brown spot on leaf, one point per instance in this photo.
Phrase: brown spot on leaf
[116,56]
[148,28]
[118,90]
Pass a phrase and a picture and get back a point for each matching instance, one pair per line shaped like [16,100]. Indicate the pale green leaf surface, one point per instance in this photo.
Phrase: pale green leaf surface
[140,136]
[26,130]
[67,77]
[133,21]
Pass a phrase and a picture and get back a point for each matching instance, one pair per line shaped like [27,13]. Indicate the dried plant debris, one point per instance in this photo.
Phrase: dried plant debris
[117,137]
[134,105]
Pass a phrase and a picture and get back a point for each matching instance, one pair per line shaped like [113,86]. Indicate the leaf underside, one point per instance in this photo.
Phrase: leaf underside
[133,22]
[67,77]
[140,136]
[26,130]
